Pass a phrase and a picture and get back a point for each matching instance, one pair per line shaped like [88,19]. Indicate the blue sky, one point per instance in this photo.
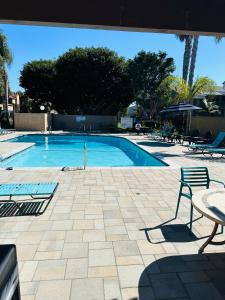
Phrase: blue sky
[34,42]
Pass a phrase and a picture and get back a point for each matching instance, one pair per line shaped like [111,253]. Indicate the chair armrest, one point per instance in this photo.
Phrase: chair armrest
[218,182]
[188,186]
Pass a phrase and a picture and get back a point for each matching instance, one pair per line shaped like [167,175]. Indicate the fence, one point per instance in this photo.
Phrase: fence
[43,122]
[206,123]
[30,121]
[83,123]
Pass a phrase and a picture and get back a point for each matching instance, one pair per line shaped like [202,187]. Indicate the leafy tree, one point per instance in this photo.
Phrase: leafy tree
[210,106]
[147,71]
[38,78]
[5,61]
[92,81]
[174,89]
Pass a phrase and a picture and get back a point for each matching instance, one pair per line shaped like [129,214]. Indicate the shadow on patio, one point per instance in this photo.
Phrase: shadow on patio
[198,276]
[156,144]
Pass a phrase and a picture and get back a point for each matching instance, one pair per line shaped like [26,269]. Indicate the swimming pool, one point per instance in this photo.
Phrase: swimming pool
[68,150]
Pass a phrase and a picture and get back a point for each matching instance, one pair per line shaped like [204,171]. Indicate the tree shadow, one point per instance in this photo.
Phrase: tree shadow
[196,276]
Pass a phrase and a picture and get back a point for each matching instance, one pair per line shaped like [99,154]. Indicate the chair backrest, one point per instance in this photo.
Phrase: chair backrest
[218,140]
[195,176]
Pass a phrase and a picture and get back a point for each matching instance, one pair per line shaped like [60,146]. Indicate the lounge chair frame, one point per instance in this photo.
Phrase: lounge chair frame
[35,196]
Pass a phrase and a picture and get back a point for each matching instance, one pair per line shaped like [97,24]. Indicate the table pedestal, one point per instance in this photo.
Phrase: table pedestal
[210,238]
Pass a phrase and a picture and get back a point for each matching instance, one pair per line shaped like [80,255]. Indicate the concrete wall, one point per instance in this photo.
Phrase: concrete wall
[206,123]
[30,121]
[90,123]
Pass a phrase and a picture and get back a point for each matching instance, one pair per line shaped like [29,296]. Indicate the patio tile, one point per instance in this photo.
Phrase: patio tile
[50,269]
[26,252]
[54,290]
[128,260]
[40,226]
[112,289]
[77,268]
[51,245]
[62,225]
[148,248]
[192,277]
[142,293]
[203,291]
[101,257]
[126,248]
[100,245]
[108,271]
[43,255]
[28,288]
[74,236]
[88,289]
[83,224]
[94,235]
[28,297]
[54,235]
[29,238]
[75,250]
[130,276]
[167,286]
[28,270]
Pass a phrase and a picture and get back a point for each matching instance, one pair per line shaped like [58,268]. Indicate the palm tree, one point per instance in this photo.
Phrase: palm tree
[193,60]
[187,53]
[190,55]
[5,61]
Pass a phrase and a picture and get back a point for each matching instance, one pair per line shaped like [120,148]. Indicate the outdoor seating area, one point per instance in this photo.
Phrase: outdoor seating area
[112,147]
[116,233]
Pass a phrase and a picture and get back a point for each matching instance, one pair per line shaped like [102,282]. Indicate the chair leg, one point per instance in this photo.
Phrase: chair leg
[178,204]
[191,217]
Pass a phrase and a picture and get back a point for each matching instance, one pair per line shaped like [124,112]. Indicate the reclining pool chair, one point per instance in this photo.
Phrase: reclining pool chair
[215,144]
[37,191]
[193,177]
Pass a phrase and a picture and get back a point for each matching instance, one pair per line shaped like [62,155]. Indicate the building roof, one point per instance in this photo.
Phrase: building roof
[220,91]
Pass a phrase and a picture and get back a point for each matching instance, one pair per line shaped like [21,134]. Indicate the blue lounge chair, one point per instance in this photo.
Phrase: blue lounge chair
[215,144]
[212,151]
[37,191]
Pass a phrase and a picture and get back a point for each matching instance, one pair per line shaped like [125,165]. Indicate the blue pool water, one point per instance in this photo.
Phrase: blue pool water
[68,150]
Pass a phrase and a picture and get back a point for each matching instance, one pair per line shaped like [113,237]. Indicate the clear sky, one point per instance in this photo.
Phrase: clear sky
[34,42]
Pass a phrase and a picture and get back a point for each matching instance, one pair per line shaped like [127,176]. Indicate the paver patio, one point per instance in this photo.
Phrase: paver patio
[96,239]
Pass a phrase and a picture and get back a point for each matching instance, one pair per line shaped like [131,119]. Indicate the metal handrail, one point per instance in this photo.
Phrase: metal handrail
[85,156]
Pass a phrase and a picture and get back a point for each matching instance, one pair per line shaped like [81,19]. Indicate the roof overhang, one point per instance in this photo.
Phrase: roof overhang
[168,16]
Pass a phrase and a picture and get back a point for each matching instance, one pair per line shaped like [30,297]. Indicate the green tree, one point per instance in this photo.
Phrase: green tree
[5,61]
[147,71]
[38,78]
[175,89]
[92,81]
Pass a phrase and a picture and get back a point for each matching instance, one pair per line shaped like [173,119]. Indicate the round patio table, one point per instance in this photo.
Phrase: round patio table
[211,204]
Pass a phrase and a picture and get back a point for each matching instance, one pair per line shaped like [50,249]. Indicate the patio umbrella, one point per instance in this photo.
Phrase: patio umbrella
[182,107]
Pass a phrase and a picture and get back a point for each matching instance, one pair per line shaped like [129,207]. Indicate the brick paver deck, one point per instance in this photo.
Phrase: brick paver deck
[97,238]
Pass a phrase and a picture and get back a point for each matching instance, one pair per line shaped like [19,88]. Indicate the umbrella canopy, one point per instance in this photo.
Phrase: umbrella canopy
[180,107]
